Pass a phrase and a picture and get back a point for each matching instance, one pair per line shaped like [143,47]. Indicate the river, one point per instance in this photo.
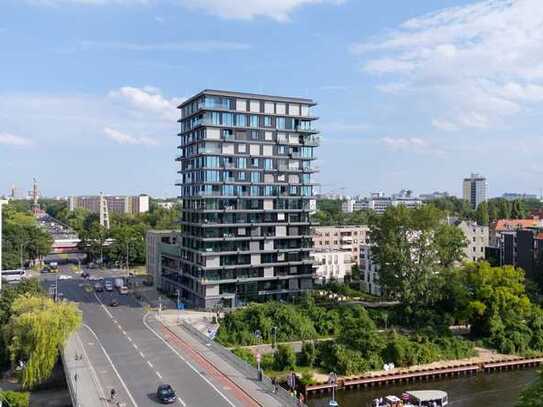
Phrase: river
[484,390]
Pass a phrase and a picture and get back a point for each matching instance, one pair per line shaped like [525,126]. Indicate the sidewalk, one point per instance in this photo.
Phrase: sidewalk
[83,384]
[258,391]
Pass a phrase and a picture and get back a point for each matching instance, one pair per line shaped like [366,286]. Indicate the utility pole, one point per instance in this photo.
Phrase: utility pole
[2,202]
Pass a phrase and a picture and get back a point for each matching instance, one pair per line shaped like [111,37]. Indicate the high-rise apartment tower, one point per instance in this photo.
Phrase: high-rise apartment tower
[474,190]
[246,162]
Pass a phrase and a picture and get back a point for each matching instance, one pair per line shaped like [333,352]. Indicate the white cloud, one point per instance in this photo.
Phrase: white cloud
[137,112]
[411,145]
[473,65]
[123,138]
[13,140]
[444,124]
[195,46]
[278,10]
[148,99]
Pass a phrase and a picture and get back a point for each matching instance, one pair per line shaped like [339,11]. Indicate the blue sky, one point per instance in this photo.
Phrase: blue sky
[412,94]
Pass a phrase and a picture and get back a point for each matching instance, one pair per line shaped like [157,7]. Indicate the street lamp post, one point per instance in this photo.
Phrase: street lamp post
[2,202]
[274,337]
[332,379]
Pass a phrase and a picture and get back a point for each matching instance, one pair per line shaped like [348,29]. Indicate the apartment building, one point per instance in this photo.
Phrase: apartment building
[331,265]
[379,202]
[474,189]
[115,204]
[341,238]
[369,270]
[159,245]
[477,239]
[246,162]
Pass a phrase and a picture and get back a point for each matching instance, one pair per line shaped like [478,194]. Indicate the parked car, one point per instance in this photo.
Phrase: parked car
[45,270]
[166,394]
[85,274]
[109,285]
[114,303]
[98,287]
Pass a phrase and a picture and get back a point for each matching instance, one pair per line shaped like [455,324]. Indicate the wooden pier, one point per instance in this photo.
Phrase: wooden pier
[429,374]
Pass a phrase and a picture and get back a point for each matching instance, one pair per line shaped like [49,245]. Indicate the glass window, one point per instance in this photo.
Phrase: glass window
[242,176]
[280,122]
[241,120]
[255,177]
[228,190]
[227,119]
[254,162]
[268,164]
[242,162]
[212,162]
[212,176]
[267,121]
[255,190]
[215,118]
[282,150]
[254,121]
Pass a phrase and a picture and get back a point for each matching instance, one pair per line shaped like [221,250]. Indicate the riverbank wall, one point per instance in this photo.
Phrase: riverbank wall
[423,374]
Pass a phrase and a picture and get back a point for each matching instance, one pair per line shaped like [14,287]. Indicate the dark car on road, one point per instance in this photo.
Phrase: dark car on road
[114,303]
[99,287]
[85,274]
[166,394]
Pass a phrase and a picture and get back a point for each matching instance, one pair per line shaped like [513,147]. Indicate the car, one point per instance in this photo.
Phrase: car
[109,285]
[166,394]
[45,270]
[99,287]
[85,274]
[64,277]
[114,303]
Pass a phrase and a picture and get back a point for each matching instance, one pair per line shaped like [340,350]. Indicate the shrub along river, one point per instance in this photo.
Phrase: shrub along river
[483,390]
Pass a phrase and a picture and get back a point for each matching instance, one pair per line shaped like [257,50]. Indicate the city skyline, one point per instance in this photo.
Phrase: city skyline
[91,106]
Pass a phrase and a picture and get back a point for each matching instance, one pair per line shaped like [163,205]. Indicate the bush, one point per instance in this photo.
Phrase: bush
[245,355]
[284,358]
[307,379]
[15,399]
[309,354]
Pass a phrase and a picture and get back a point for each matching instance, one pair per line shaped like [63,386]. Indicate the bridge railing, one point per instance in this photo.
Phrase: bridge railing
[244,367]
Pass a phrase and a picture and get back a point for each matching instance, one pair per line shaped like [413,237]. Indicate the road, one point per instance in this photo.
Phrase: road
[129,353]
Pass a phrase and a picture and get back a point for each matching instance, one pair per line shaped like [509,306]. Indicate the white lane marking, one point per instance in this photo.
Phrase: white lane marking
[159,376]
[135,346]
[129,339]
[150,364]
[103,306]
[182,402]
[112,366]
[124,332]
[93,371]
[184,360]
[142,355]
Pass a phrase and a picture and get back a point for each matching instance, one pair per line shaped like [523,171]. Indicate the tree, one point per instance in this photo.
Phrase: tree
[533,394]
[410,247]
[450,243]
[284,358]
[359,333]
[517,210]
[36,331]
[23,238]
[309,354]
[482,214]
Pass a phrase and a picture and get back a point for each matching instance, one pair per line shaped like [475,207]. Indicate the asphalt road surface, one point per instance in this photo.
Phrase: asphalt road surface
[129,354]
